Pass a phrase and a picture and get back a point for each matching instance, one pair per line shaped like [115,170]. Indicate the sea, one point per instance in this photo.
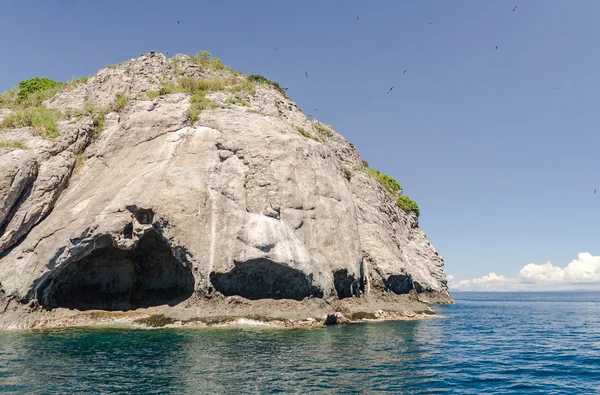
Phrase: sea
[486,343]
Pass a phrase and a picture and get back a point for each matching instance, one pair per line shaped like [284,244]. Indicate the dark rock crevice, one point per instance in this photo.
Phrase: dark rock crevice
[144,216]
[347,285]
[264,279]
[399,284]
[114,279]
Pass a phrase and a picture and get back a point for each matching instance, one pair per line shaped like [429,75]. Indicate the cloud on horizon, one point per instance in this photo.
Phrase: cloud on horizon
[581,273]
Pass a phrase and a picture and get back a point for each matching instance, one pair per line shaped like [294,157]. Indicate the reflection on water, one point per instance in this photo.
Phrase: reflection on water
[494,343]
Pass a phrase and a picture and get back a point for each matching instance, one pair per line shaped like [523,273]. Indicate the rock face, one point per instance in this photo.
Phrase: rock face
[157,210]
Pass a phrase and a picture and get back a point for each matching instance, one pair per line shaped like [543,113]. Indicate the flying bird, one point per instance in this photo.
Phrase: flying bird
[390,91]
[368,98]
[178,22]
[496,47]
[515,8]
[404,72]
[430,23]
[306,74]
[315,109]
[356,18]
[594,190]
[277,47]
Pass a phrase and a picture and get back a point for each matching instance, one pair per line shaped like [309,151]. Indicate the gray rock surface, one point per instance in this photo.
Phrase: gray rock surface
[5,112]
[239,203]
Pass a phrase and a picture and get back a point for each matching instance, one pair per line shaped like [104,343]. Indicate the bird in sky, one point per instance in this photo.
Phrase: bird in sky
[178,22]
[277,47]
[390,91]
[368,98]
[306,74]
[356,18]
[515,8]
[315,109]
[404,72]
[430,23]
[594,190]
[496,47]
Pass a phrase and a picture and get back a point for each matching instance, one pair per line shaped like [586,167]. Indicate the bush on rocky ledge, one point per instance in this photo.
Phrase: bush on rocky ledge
[262,80]
[407,204]
[43,87]
[386,181]
[29,93]
[43,120]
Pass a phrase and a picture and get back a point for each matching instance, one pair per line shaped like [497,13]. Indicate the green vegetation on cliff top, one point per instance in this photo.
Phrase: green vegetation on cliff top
[407,204]
[26,99]
[393,187]
[42,119]
[386,181]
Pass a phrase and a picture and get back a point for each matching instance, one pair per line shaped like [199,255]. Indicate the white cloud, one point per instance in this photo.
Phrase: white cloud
[581,273]
[584,269]
[489,282]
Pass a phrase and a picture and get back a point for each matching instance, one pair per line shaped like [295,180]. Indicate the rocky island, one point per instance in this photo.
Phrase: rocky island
[179,192]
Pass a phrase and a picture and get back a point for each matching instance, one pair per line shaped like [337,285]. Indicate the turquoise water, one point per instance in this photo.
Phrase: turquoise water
[487,343]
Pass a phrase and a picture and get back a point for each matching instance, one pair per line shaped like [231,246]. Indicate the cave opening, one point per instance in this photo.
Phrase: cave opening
[399,284]
[346,285]
[113,279]
[264,279]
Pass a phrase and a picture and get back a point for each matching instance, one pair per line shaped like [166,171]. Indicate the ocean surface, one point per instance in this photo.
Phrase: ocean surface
[487,343]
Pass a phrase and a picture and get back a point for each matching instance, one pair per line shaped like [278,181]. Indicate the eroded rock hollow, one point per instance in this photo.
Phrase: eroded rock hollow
[110,278]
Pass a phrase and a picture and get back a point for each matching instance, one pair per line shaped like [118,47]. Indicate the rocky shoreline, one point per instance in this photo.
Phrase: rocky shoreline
[224,312]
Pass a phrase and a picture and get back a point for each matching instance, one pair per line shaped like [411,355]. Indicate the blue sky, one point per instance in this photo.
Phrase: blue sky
[499,147]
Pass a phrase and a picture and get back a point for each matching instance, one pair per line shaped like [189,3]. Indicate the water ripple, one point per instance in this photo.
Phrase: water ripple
[487,343]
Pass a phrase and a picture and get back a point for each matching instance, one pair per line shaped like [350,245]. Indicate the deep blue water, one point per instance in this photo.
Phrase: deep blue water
[487,343]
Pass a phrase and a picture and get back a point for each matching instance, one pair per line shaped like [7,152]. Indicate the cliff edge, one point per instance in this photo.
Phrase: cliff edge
[179,188]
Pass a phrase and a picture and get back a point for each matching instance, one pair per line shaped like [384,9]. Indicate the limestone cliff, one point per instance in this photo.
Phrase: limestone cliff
[179,182]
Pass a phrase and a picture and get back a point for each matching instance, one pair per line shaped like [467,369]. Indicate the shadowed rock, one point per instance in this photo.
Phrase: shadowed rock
[399,284]
[345,285]
[114,279]
[264,279]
